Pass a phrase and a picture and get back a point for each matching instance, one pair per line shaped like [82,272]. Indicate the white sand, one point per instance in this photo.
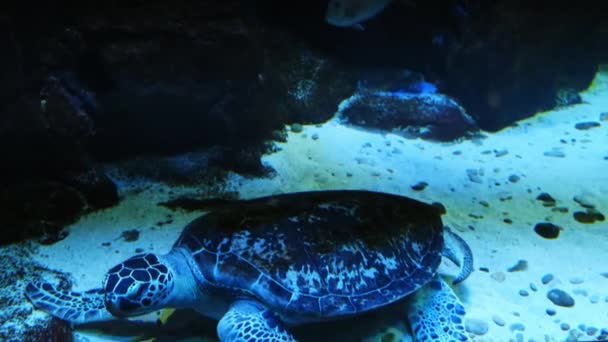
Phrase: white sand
[349,158]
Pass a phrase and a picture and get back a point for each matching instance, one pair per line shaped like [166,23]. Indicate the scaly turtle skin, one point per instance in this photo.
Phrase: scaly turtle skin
[260,266]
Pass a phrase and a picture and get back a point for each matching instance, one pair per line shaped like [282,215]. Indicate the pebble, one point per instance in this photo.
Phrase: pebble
[590,216]
[296,128]
[545,197]
[498,276]
[576,280]
[594,299]
[546,279]
[517,327]
[513,178]
[130,235]
[533,287]
[584,202]
[314,136]
[476,326]
[580,292]
[500,153]
[524,293]
[550,312]
[573,336]
[419,186]
[559,210]
[564,326]
[475,175]
[586,125]
[560,298]
[591,331]
[604,116]
[547,230]
[498,321]
[554,153]
[521,265]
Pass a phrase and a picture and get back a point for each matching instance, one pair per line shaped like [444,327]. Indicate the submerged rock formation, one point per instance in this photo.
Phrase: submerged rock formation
[82,83]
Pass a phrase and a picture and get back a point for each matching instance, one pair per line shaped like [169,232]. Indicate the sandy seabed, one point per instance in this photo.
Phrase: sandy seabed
[489,187]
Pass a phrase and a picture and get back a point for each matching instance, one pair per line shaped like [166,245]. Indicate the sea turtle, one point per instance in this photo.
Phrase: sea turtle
[263,265]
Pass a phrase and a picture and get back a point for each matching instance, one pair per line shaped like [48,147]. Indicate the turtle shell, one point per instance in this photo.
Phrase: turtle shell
[318,254]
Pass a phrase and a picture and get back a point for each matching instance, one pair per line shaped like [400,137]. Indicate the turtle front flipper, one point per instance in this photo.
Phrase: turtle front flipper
[74,307]
[436,314]
[250,321]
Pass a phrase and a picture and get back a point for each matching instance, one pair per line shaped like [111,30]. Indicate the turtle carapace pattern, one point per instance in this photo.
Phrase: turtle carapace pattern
[263,265]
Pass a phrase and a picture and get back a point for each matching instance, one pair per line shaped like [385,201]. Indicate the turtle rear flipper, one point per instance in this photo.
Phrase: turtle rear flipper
[74,307]
[436,314]
[459,252]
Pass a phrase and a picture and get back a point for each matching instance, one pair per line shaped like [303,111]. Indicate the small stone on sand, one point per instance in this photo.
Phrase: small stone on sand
[476,326]
[560,298]
[546,279]
[498,321]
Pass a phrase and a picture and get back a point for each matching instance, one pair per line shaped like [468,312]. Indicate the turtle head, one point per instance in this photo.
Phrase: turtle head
[137,286]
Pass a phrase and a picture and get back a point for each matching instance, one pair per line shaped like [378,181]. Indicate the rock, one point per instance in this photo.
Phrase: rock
[547,199]
[498,321]
[296,128]
[315,136]
[498,276]
[500,153]
[524,293]
[564,326]
[590,331]
[475,175]
[517,327]
[567,97]
[40,209]
[554,153]
[19,321]
[546,279]
[533,287]
[584,202]
[583,126]
[576,280]
[589,216]
[429,116]
[520,266]
[419,186]
[513,178]
[604,116]
[476,326]
[594,299]
[547,230]
[550,312]
[130,235]
[97,188]
[560,298]
[562,210]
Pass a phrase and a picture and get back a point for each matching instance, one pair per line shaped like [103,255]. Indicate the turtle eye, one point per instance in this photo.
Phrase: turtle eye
[136,290]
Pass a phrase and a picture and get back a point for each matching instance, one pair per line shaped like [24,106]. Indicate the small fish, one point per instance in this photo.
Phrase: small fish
[351,13]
